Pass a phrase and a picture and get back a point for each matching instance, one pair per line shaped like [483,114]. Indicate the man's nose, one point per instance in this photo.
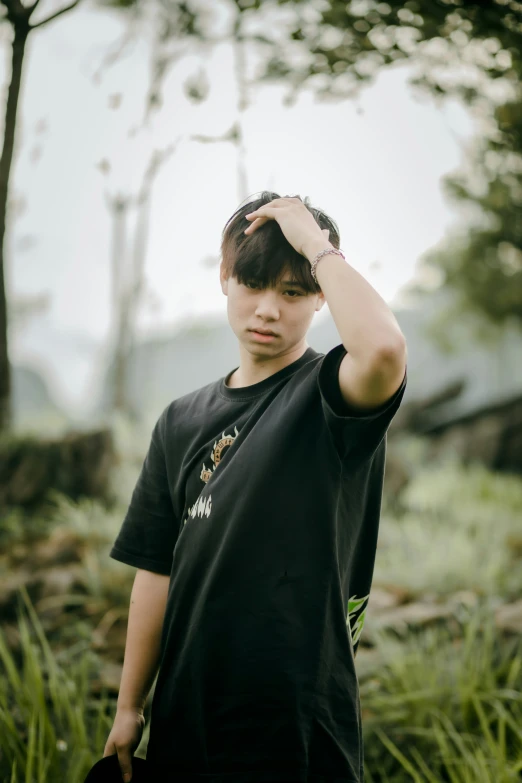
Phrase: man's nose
[267,304]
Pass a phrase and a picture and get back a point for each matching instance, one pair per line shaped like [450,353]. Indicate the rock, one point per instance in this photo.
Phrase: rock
[396,476]
[429,598]
[59,581]
[514,543]
[381,600]
[10,584]
[368,662]
[508,618]
[41,585]
[62,546]
[11,634]
[109,678]
[489,434]
[116,640]
[111,631]
[413,615]
[403,595]
[466,598]
[77,465]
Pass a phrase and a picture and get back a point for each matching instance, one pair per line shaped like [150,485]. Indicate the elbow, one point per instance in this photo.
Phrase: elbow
[393,353]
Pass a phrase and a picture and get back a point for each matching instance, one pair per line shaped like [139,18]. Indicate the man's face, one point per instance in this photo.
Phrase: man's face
[286,311]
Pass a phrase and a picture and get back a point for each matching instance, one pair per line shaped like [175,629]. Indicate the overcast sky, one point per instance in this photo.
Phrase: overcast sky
[373,164]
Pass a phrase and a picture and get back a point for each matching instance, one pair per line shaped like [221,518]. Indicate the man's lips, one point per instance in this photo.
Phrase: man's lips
[263,331]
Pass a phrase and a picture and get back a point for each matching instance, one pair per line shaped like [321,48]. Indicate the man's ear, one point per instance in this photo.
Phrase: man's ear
[223,280]
[320,301]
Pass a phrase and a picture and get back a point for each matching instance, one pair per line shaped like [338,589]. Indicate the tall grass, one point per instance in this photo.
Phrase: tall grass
[445,709]
[438,707]
[52,729]
[437,710]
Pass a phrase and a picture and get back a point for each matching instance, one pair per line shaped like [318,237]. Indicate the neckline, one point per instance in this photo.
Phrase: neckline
[257,389]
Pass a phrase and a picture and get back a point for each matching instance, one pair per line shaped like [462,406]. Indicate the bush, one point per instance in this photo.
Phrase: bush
[443,709]
[455,517]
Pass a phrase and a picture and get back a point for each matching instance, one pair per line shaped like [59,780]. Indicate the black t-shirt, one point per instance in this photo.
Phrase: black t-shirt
[262,503]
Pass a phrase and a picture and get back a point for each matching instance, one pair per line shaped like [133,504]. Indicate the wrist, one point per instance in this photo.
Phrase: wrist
[130,708]
[314,246]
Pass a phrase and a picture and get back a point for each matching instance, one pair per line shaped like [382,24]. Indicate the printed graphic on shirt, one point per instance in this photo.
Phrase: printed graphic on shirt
[217,454]
[356,616]
[203,505]
[201,508]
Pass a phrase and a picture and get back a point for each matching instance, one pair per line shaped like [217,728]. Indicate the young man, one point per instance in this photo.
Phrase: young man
[254,523]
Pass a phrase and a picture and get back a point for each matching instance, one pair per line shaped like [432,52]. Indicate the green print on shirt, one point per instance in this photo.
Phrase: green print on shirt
[356,616]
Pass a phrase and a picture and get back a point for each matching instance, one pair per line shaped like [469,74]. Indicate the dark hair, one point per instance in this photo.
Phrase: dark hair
[262,257]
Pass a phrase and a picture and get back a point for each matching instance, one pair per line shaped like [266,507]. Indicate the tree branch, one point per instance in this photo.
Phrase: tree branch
[13,8]
[55,15]
[32,8]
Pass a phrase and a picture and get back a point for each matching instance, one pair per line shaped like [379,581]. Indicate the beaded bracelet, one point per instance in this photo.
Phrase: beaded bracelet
[320,255]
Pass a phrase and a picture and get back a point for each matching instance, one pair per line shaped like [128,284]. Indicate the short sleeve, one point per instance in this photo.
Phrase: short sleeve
[357,434]
[149,530]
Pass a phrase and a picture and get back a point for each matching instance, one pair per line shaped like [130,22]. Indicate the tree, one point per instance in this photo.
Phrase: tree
[178,27]
[340,45]
[128,275]
[466,50]
[481,261]
[178,31]
[18,16]
[470,51]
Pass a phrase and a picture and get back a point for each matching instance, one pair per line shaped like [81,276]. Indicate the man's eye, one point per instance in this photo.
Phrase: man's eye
[296,294]
[252,286]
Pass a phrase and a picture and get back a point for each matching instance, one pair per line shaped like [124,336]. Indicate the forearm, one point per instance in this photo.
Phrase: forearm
[142,648]
[366,325]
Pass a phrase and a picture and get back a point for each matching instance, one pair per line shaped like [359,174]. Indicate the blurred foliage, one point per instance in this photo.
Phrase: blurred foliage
[345,43]
[466,50]
[436,706]
[454,517]
[481,261]
[445,709]
[436,710]
[78,465]
[53,729]
[470,51]
[349,42]
[460,50]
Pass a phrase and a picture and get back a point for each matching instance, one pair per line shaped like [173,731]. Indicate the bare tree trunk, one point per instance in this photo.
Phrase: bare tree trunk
[21,31]
[141,237]
[119,207]
[240,65]
[128,277]
[18,15]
